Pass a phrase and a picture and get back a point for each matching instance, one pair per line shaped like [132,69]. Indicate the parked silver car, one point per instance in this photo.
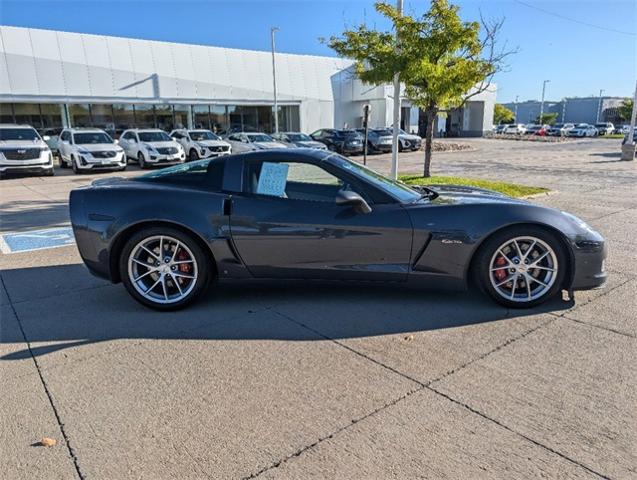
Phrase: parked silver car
[298,139]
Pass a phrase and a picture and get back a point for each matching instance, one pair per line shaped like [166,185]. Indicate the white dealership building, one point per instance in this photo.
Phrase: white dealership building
[52,79]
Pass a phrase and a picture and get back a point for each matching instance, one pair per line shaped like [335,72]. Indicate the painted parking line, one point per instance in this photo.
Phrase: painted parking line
[36,240]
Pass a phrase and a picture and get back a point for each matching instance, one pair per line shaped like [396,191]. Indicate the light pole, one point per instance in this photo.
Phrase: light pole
[276,105]
[564,110]
[515,114]
[542,102]
[394,143]
[599,105]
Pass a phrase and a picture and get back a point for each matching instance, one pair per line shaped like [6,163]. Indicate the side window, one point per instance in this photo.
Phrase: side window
[177,135]
[292,181]
[66,135]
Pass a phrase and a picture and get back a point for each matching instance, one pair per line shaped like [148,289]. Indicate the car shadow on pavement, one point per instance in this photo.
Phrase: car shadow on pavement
[283,311]
[45,215]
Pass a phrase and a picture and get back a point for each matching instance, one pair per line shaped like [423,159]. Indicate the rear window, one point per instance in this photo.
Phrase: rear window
[202,174]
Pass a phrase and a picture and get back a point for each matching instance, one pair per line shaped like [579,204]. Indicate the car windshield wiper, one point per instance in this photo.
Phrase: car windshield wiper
[426,192]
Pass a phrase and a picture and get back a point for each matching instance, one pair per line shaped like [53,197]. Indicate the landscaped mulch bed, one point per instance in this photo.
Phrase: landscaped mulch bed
[528,138]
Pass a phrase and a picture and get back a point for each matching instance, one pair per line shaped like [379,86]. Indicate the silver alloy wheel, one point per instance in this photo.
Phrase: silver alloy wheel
[162,269]
[523,269]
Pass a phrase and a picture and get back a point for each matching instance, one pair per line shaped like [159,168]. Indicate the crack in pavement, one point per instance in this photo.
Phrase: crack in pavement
[58,419]
[421,386]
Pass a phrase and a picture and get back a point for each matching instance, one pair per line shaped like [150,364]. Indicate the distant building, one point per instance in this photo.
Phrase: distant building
[571,109]
[53,79]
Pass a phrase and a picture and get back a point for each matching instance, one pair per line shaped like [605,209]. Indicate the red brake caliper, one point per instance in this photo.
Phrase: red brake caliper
[502,273]
[184,267]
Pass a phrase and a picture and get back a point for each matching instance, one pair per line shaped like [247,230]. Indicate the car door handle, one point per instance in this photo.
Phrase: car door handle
[227,206]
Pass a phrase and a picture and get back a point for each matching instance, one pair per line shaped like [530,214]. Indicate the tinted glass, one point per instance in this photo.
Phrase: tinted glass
[260,138]
[298,137]
[91,137]
[394,188]
[198,135]
[153,137]
[203,173]
[18,134]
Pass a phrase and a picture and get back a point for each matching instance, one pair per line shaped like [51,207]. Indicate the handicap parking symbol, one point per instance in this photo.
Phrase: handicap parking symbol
[36,240]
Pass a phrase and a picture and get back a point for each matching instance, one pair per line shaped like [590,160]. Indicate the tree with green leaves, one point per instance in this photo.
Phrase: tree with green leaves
[547,119]
[442,60]
[626,109]
[502,114]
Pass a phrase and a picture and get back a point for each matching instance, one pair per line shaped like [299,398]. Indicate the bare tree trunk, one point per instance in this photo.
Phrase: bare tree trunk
[430,114]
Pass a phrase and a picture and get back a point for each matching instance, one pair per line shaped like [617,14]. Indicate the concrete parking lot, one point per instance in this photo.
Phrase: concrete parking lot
[297,381]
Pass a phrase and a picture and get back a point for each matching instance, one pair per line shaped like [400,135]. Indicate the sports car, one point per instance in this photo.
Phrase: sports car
[315,215]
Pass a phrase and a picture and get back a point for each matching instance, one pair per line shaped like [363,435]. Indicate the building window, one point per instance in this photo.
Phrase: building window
[265,119]
[80,115]
[201,116]
[28,113]
[218,118]
[51,115]
[123,117]
[164,117]
[6,113]
[181,116]
[145,116]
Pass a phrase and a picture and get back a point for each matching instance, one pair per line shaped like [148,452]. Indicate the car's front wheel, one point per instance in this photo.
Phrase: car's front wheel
[141,160]
[193,156]
[521,267]
[164,268]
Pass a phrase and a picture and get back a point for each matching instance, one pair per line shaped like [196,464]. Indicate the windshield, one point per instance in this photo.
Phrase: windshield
[260,137]
[153,137]
[582,125]
[298,137]
[198,135]
[18,134]
[93,137]
[394,188]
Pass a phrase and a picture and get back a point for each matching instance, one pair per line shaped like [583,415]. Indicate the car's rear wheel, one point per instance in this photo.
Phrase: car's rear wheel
[164,268]
[521,267]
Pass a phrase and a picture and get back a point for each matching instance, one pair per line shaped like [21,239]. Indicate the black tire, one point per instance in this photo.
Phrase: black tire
[141,161]
[205,267]
[122,169]
[482,261]
[74,166]
[49,173]
[63,164]
[192,155]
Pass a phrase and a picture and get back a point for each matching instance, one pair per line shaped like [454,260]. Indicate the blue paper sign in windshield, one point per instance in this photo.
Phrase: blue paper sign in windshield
[272,179]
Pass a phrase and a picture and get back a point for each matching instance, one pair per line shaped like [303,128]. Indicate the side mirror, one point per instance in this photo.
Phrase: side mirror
[347,198]
[174,139]
[46,138]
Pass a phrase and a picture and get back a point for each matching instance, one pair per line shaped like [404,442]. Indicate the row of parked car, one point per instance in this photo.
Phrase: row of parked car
[22,149]
[562,129]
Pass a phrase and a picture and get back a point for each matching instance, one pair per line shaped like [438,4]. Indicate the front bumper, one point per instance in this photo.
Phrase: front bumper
[111,163]
[588,264]
[41,164]
[160,159]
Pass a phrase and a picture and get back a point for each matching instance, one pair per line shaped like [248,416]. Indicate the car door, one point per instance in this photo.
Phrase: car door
[286,224]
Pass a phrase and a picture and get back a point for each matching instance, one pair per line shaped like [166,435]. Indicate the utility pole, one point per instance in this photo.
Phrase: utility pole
[515,114]
[276,105]
[542,103]
[599,105]
[394,147]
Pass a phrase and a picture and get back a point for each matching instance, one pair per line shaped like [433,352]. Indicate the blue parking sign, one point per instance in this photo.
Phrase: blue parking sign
[36,240]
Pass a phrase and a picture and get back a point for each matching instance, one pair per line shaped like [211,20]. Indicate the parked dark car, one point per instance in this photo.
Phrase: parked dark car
[377,140]
[346,142]
[315,215]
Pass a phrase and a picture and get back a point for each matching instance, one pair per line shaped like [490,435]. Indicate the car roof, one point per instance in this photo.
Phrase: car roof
[84,129]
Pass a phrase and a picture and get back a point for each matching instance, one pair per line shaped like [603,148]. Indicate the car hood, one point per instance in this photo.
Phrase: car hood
[310,144]
[21,143]
[460,194]
[268,145]
[409,136]
[99,147]
[212,143]
[161,144]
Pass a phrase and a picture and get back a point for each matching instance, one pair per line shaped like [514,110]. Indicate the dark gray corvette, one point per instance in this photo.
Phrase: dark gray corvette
[304,214]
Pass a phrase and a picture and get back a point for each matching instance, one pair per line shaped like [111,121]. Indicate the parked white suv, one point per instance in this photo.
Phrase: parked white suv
[200,143]
[248,142]
[151,147]
[583,130]
[605,128]
[516,128]
[22,150]
[85,149]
